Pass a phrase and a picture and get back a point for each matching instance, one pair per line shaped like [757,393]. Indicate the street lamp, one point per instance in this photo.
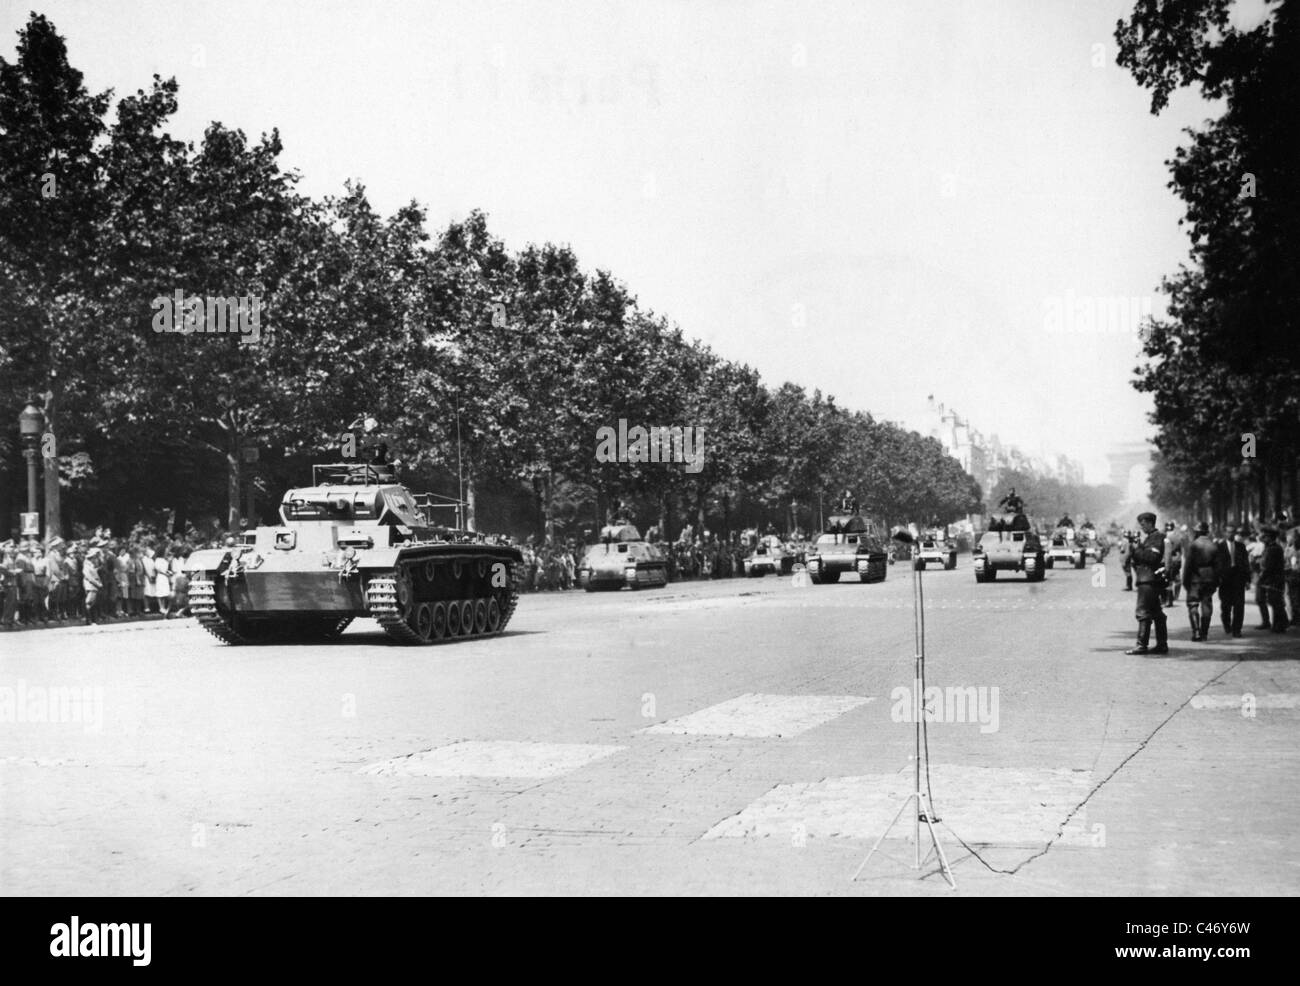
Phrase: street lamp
[31,425]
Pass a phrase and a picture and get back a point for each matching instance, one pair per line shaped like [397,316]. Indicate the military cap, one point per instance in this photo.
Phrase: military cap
[1147,516]
[1202,528]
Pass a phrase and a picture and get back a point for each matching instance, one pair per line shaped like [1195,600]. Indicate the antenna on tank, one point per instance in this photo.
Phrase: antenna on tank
[460,476]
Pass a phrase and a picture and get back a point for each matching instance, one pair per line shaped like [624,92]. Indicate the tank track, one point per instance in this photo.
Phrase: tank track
[203,604]
[386,609]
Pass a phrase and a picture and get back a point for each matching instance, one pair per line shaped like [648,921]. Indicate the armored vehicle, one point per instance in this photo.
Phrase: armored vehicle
[1009,545]
[355,543]
[1065,547]
[622,558]
[934,549]
[849,545]
[768,554]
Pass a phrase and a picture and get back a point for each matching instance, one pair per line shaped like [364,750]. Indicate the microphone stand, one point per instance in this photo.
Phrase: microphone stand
[924,807]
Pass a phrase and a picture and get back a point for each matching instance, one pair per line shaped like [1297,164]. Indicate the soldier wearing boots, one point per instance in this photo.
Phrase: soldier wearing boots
[1148,560]
[1201,573]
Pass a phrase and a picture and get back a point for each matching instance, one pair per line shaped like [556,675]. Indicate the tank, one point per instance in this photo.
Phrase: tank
[356,543]
[1009,545]
[935,548]
[767,554]
[1065,546]
[622,558]
[849,545]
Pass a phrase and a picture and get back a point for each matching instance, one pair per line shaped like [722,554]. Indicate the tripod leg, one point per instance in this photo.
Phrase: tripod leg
[944,868]
[897,816]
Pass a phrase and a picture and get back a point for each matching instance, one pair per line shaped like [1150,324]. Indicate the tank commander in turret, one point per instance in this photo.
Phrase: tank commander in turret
[1011,503]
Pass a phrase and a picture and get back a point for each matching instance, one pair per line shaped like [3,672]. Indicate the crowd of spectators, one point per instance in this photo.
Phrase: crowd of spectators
[95,579]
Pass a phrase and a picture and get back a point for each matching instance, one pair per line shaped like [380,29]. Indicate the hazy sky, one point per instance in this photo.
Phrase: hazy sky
[882,200]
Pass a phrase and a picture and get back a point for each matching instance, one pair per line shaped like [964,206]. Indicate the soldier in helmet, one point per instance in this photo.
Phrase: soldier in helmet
[1201,572]
[1148,559]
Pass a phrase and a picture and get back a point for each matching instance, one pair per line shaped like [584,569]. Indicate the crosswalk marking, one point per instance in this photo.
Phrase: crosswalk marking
[990,805]
[754,715]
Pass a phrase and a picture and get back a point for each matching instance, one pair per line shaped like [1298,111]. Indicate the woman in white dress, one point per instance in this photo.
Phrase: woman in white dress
[163,583]
[150,578]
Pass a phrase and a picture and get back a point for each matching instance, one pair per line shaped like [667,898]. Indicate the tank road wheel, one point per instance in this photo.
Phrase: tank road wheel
[481,568]
[480,615]
[430,571]
[467,617]
[439,621]
[424,621]
[457,570]
[453,618]
[493,615]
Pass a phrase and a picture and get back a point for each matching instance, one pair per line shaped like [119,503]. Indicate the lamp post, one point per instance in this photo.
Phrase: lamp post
[31,424]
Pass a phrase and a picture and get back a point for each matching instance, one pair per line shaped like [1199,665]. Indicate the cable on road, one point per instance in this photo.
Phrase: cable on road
[1099,785]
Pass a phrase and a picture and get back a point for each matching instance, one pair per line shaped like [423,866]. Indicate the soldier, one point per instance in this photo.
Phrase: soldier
[1235,568]
[1201,571]
[1148,567]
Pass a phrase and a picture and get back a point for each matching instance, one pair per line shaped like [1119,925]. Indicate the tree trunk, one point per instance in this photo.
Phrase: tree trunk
[550,518]
[53,513]
[232,486]
[663,516]
[699,507]
[1277,484]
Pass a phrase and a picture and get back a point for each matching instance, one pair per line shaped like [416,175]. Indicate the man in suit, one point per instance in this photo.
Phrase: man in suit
[1148,571]
[1234,568]
[1201,572]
